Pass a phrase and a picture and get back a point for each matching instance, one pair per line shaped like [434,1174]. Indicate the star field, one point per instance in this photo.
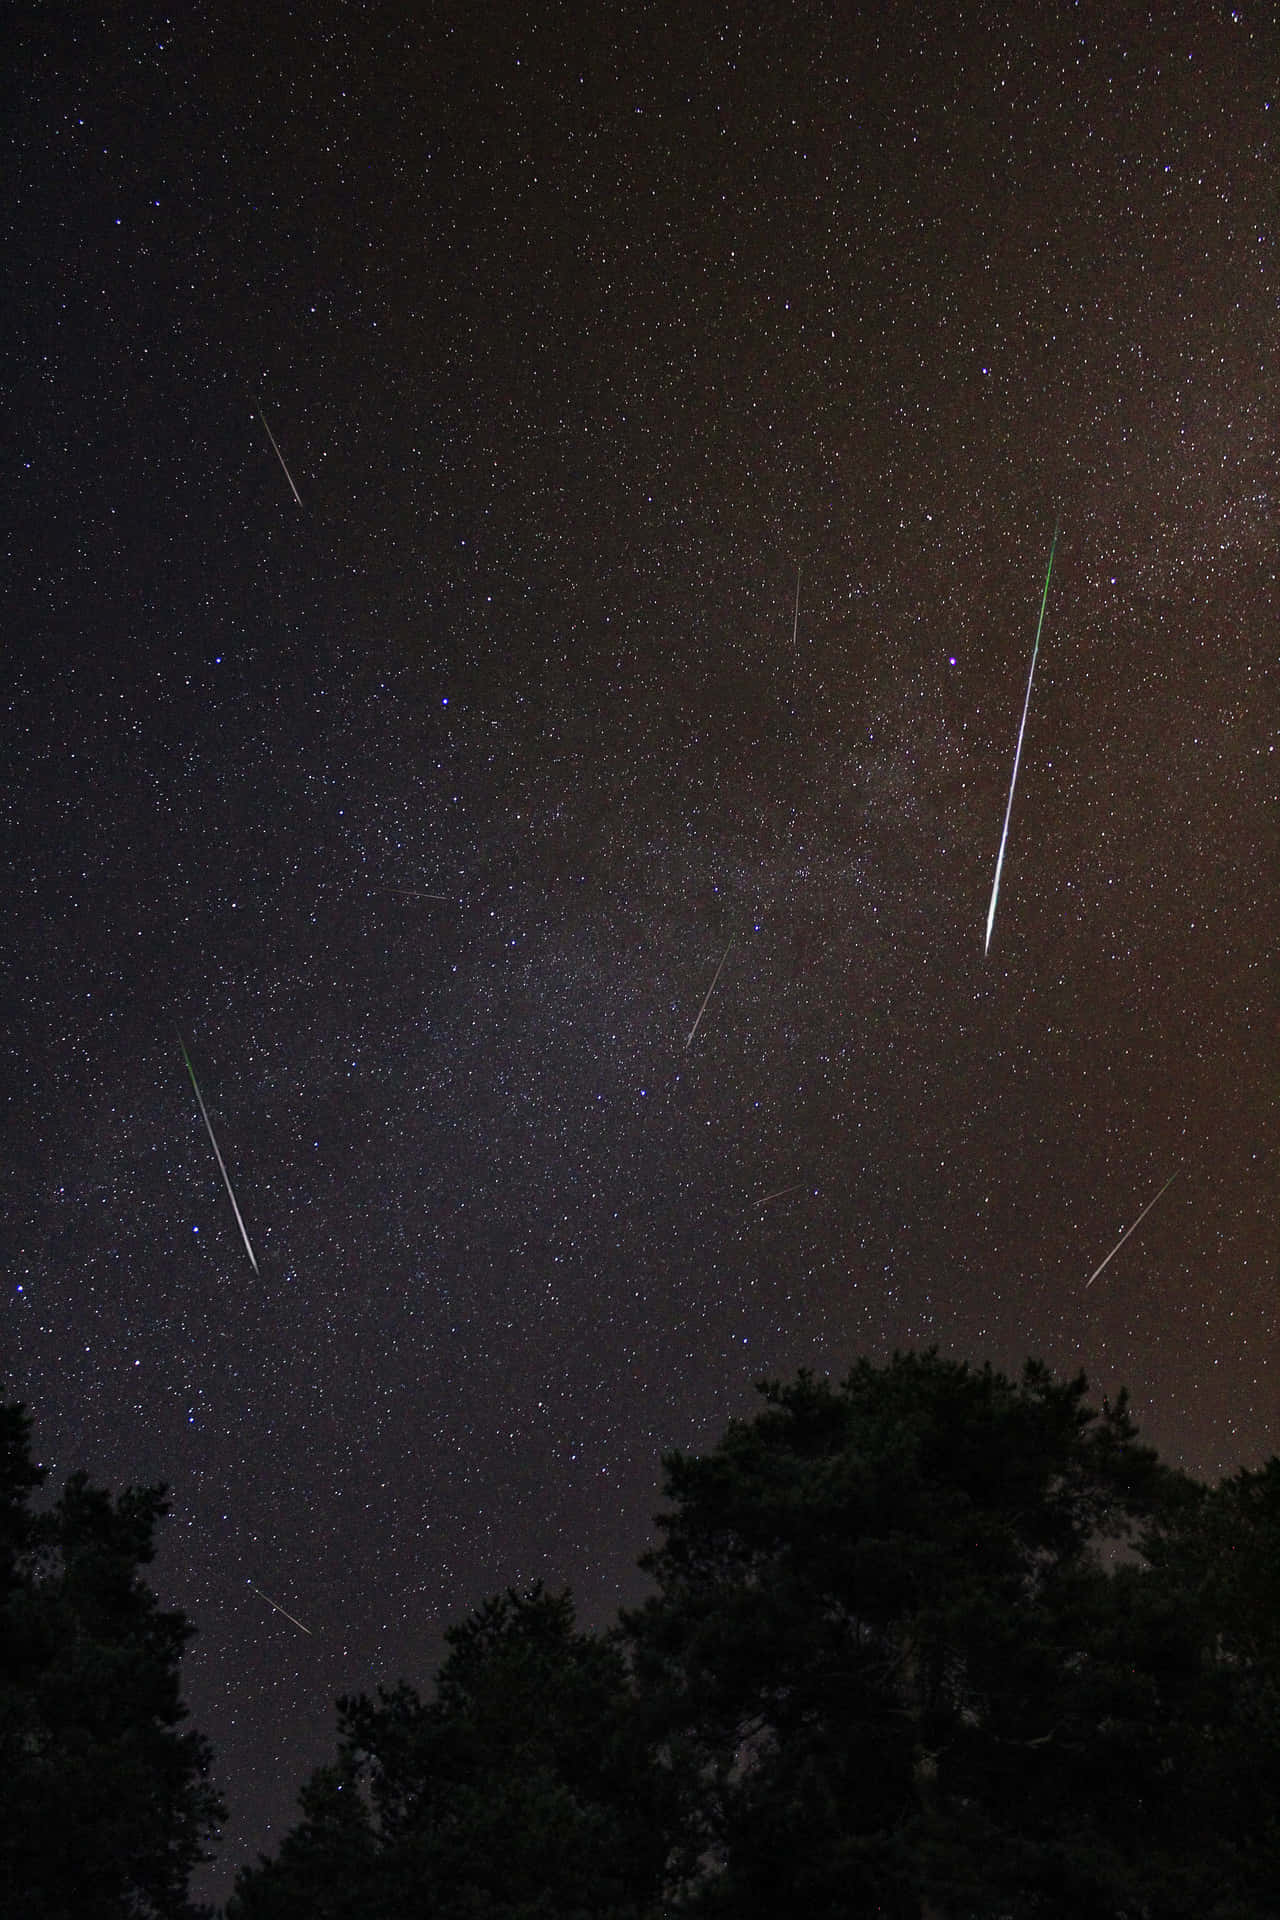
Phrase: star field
[426,811]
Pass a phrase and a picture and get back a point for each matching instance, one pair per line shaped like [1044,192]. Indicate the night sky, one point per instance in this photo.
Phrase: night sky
[425,811]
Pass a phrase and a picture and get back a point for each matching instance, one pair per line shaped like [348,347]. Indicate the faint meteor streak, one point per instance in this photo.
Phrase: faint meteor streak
[226,1178]
[780,1193]
[1134,1228]
[710,990]
[279,1609]
[795,618]
[1026,708]
[279,456]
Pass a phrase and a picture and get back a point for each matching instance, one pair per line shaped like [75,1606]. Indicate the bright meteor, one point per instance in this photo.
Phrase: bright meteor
[710,990]
[1134,1228]
[279,456]
[279,1609]
[226,1178]
[1026,707]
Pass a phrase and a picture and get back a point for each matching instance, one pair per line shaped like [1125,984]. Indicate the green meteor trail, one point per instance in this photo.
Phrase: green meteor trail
[1026,707]
[226,1178]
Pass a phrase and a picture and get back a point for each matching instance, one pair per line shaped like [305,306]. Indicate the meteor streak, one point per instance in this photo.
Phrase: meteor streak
[1026,707]
[795,620]
[279,1609]
[780,1193]
[710,990]
[1134,1228]
[279,456]
[226,1178]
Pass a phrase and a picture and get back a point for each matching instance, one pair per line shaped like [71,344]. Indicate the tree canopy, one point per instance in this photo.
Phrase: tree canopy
[903,1669]
[930,1642]
[522,1790]
[105,1802]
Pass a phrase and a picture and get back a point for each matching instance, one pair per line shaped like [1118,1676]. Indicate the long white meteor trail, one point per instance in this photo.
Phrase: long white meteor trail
[279,1609]
[1026,708]
[279,456]
[795,618]
[1134,1228]
[710,990]
[226,1178]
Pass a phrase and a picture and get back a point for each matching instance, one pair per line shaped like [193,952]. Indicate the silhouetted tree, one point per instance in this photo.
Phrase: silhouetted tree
[521,1791]
[908,1658]
[105,1806]
[1216,1568]
[931,1644]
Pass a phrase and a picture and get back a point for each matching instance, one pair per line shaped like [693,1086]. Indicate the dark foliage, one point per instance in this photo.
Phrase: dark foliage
[931,1644]
[521,1790]
[908,1658]
[106,1804]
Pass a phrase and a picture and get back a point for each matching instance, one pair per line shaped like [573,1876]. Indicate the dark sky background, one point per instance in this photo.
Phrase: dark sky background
[426,810]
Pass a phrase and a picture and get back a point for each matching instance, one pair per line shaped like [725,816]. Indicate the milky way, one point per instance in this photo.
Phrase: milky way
[426,813]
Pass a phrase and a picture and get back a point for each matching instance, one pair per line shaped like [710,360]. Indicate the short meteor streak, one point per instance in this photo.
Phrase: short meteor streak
[1134,1228]
[279,456]
[1026,708]
[279,1609]
[795,618]
[226,1178]
[710,990]
[780,1193]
